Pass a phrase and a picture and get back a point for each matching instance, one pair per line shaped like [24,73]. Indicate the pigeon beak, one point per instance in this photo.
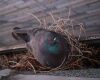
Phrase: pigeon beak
[19,34]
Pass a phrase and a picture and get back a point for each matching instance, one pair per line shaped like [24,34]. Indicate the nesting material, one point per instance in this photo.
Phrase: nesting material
[80,56]
[25,61]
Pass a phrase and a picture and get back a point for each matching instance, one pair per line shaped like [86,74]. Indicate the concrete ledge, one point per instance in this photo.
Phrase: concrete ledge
[48,77]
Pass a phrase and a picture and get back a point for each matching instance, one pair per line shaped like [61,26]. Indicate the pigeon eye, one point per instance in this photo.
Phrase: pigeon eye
[54,38]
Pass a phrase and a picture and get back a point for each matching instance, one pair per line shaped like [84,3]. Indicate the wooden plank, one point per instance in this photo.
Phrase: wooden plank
[9,8]
[12,51]
[69,3]
[12,47]
[84,2]
[18,5]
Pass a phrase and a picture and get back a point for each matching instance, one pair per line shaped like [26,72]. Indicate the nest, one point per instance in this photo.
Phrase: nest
[80,57]
[25,62]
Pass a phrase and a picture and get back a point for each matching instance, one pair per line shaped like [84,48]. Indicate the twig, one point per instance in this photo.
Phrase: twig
[32,67]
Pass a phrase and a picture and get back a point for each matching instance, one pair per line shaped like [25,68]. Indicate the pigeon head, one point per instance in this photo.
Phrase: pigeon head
[50,48]
[51,43]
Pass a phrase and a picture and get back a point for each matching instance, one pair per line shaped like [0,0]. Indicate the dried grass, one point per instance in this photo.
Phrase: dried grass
[75,58]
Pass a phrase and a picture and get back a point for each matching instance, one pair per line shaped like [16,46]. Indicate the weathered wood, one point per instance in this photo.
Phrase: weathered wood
[13,12]
[13,51]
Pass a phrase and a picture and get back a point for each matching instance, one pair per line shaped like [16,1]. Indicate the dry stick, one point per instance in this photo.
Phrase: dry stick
[75,40]
[72,31]
[78,50]
[73,63]
[6,58]
[71,23]
[53,21]
[69,13]
[76,55]
[92,59]
[67,33]
[12,62]
[77,65]
[32,67]
[59,65]
[76,46]
[52,17]
[80,31]
[69,57]
[83,29]
[76,61]
[72,28]
[44,67]
[45,24]
[57,27]
[79,34]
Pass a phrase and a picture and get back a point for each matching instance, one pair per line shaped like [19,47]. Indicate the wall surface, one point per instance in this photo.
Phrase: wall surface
[17,13]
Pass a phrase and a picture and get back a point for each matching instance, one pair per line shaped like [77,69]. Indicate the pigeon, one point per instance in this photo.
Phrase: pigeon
[49,48]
